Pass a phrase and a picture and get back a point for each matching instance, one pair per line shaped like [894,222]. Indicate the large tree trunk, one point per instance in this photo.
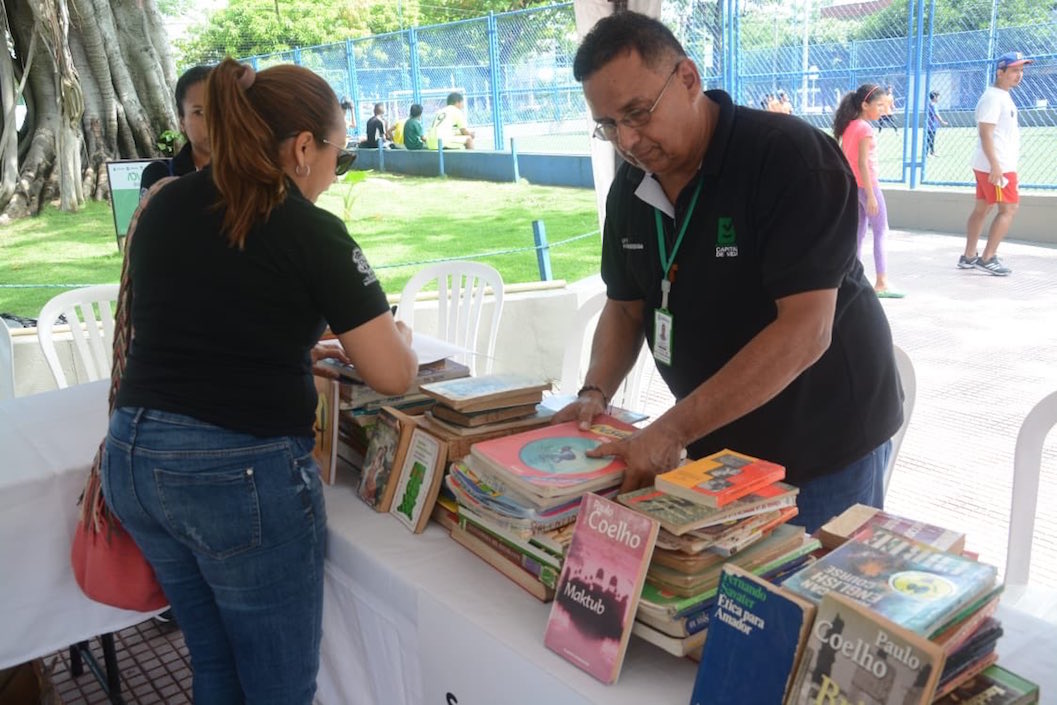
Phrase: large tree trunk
[98,78]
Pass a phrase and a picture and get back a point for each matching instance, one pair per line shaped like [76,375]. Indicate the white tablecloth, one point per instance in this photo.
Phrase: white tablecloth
[431,619]
[47,442]
[407,619]
[411,619]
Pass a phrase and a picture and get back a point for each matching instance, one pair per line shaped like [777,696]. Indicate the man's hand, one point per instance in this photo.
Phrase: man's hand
[586,407]
[648,452]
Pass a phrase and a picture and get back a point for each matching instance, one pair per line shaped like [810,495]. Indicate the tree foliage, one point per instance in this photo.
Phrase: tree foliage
[953,16]
[252,27]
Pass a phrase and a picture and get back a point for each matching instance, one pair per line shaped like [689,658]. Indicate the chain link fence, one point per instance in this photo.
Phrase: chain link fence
[515,70]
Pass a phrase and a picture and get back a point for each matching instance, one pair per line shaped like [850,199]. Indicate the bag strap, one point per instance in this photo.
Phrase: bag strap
[94,513]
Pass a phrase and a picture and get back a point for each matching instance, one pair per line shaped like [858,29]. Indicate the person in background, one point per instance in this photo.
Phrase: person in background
[395,134]
[349,111]
[995,166]
[784,105]
[413,129]
[375,128]
[190,109]
[208,461]
[885,119]
[449,125]
[775,344]
[856,137]
[933,123]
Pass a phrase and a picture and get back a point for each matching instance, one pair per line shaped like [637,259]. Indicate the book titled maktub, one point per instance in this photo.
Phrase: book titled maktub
[755,637]
[599,587]
[854,655]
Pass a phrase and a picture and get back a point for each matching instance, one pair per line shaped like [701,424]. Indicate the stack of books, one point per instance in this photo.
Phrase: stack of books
[349,410]
[725,509]
[470,409]
[925,592]
[882,619]
[522,492]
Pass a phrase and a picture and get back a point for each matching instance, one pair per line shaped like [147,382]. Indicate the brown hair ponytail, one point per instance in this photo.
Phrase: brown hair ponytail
[249,115]
[850,107]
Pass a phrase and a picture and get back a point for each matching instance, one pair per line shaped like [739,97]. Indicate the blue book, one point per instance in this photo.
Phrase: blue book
[755,637]
[913,584]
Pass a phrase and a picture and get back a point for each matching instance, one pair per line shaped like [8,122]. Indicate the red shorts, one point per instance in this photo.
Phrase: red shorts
[986,191]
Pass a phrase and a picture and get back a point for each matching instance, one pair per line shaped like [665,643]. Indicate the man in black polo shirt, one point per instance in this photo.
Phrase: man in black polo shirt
[729,243]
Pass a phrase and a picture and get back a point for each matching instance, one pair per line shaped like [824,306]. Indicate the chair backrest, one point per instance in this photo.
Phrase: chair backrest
[7,363]
[573,368]
[1027,465]
[910,385]
[85,309]
[461,289]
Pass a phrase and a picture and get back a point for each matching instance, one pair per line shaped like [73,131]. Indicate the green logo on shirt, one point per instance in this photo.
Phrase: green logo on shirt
[725,238]
[726,235]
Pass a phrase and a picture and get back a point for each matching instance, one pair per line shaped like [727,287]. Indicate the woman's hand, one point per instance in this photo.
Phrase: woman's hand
[328,350]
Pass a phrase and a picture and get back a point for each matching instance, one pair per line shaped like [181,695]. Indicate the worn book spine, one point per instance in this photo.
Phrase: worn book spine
[500,562]
[546,574]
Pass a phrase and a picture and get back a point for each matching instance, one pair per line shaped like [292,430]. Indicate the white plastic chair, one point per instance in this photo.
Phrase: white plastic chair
[7,363]
[461,289]
[910,385]
[1027,464]
[573,368]
[85,309]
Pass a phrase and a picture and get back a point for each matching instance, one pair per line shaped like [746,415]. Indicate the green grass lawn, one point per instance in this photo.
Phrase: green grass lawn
[954,149]
[397,220]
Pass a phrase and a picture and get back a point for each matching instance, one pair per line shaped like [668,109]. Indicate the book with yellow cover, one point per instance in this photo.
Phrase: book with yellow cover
[719,479]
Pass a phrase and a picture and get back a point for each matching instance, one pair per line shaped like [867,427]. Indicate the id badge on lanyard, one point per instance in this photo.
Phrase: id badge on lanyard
[663,320]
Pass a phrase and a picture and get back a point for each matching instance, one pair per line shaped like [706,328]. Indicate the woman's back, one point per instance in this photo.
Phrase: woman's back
[223,334]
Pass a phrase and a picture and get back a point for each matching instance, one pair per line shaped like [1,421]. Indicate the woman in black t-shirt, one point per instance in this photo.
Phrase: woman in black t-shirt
[235,273]
[190,107]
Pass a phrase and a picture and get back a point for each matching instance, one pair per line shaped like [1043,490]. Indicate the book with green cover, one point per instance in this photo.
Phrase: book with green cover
[469,394]
[995,686]
[662,602]
[678,515]
[910,583]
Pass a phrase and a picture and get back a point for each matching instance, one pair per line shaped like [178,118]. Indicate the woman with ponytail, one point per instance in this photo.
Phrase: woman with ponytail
[856,137]
[235,274]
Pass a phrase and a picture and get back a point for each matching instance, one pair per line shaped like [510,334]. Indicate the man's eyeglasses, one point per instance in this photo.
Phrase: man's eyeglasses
[345,158]
[635,118]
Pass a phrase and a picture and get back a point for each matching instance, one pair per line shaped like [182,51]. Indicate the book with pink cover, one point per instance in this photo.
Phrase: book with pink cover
[550,461]
[599,587]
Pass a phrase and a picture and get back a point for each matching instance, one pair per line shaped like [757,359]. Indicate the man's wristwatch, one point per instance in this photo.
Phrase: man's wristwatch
[593,388]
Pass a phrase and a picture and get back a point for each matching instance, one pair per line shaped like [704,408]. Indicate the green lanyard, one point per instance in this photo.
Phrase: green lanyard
[662,249]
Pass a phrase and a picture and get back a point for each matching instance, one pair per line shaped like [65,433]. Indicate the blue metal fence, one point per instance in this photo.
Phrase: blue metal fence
[516,72]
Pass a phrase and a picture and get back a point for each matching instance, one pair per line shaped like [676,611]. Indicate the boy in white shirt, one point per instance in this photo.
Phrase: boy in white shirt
[995,166]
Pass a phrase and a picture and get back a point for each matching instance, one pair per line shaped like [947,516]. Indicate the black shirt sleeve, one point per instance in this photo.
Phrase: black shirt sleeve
[806,213]
[340,279]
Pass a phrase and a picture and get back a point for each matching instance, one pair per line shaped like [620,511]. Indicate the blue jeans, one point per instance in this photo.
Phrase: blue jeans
[862,482]
[235,528]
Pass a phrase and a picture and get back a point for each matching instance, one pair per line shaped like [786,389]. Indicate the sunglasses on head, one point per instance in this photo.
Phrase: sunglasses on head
[345,158]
